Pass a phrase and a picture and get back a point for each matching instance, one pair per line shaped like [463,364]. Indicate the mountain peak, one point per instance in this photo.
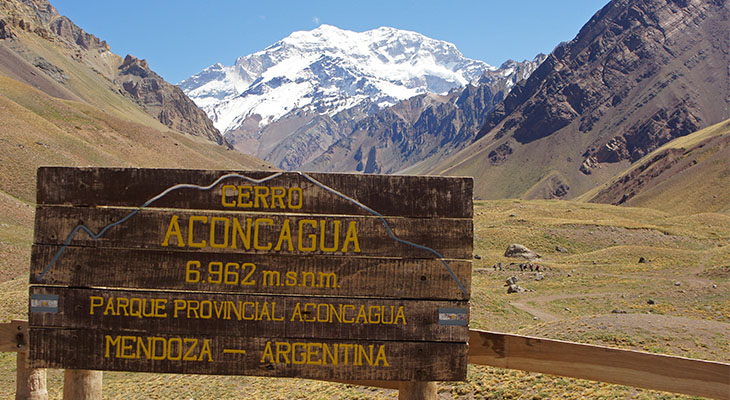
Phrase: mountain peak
[329,68]
[322,30]
[327,28]
[290,101]
[328,38]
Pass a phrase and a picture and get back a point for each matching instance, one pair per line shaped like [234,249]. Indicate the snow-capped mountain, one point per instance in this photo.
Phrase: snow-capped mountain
[422,130]
[289,102]
[329,69]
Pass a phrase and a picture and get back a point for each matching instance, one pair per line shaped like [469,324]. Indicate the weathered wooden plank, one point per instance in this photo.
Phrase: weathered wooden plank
[252,273]
[14,336]
[250,315]
[414,196]
[625,367]
[231,355]
[220,257]
[255,233]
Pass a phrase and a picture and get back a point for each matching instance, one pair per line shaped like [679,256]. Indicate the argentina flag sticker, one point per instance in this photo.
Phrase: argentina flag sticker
[44,303]
[454,316]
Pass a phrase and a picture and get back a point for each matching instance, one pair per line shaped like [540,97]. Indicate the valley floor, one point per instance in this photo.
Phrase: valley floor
[593,290]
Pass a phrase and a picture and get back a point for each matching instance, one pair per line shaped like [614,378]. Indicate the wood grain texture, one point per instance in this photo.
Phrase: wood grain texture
[312,262]
[604,364]
[626,367]
[390,195]
[452,238]
[424,361]
[79,384]
[161,269]
[14,336]
[418,391]
[184,313]
[30,383]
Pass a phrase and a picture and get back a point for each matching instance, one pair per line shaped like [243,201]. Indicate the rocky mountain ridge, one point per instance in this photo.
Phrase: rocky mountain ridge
[329,69]
[419,131]
[127,76]
[687,175]
[293,100]
[639,74]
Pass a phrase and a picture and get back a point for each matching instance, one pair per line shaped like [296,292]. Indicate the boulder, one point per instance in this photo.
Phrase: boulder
[518,250]
[514,289]
[512,286]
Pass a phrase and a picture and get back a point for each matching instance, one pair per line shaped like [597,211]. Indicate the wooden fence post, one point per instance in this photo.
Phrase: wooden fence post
[30,383]
[79,384]
[417,391]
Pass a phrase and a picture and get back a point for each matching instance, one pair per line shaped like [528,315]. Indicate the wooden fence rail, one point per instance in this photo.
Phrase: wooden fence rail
[599,363]
[626,367]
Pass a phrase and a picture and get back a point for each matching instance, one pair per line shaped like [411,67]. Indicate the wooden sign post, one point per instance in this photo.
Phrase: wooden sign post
[327,276]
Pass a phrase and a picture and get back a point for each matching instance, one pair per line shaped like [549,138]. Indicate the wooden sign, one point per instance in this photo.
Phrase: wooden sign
[329,276]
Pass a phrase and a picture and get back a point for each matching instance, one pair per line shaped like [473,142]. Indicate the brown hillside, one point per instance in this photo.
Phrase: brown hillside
[639,74]
[65,99]
[46,50]
[686,176]
[37,129]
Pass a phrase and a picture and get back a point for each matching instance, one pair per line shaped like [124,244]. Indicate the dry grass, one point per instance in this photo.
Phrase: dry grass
[696,183]
[600,273]
[39,130]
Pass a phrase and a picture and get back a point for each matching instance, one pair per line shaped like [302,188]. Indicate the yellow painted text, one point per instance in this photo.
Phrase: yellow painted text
[324,354]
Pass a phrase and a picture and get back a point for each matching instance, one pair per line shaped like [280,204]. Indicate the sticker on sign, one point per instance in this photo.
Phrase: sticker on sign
[43,303]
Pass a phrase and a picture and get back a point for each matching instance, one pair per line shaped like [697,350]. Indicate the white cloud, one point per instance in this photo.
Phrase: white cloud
[316,20]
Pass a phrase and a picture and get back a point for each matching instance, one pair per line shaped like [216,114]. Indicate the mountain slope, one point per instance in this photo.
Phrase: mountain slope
[48,51]
[688,175]
[329,68]
[637,75]
[417,132]
[289,102]
[60,106]
[37,129]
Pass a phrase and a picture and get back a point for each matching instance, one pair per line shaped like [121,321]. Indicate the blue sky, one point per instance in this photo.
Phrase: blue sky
[180,38]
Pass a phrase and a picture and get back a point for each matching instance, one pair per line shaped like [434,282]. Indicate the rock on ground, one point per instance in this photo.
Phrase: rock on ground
[518,250]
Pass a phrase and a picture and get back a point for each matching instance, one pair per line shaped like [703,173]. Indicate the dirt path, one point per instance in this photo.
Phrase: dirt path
[548,316]
[690,277]
[540,314]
